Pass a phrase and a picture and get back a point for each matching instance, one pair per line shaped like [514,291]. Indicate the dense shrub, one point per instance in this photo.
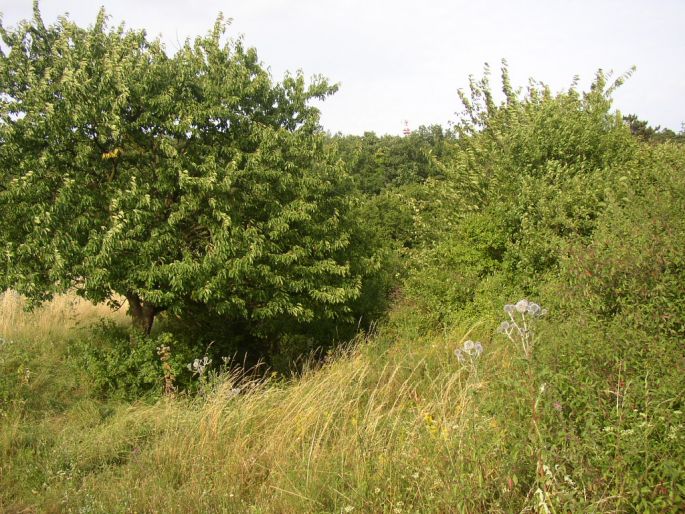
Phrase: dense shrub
[529,175]
[614,362]
[120,368]
[168,181]
[634,265]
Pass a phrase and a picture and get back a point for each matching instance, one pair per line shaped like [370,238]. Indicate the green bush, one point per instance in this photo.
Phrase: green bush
[528,176]
[124,367]
[445,278]
[634,266]
[612,417]
[613,421]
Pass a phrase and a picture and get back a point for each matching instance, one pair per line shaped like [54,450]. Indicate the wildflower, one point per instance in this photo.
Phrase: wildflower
[520,331]
[534,309]
[522,306]
[503,327]
[199,365]
[470,348]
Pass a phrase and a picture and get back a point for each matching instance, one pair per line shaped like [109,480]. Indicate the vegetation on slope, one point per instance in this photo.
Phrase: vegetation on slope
[461,396]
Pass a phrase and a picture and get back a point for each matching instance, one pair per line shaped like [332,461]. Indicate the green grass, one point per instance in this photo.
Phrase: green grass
[392,424]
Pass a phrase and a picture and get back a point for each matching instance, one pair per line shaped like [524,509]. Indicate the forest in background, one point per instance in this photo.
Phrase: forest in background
[213,305]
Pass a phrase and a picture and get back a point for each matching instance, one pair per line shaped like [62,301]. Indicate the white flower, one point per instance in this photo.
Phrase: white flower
[534,309]
[522,305]
[470,348]
[509,308]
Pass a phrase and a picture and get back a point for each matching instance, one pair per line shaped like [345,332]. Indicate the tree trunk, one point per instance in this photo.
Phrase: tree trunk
[143,314]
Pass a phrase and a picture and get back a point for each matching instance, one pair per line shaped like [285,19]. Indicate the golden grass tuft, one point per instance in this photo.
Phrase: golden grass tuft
[54,319]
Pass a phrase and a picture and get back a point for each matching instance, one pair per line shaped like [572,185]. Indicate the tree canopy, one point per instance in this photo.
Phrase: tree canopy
[169,180]
[377,163]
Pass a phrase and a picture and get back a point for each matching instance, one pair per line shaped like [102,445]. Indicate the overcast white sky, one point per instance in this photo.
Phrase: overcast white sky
[400,59]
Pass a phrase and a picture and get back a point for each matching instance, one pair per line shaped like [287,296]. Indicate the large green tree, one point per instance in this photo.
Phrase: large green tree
[168,180]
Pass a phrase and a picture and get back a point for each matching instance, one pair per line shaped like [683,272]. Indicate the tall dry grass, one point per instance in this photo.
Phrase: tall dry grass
[395,431]
[392,424]
[54,319]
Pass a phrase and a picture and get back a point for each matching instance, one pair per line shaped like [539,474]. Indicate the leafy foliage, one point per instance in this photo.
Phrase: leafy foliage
[617,364]
[633,267]
[117,370]
[169,180]
[377,163]
[530,174]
